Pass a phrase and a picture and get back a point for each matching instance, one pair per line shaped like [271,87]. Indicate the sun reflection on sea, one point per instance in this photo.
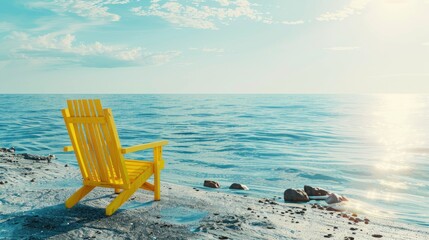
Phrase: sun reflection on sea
[394,131]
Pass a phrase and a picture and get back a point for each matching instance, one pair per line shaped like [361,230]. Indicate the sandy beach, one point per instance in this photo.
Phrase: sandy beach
[32,207]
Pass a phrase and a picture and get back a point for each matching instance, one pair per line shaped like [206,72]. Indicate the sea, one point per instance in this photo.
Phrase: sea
[374,149]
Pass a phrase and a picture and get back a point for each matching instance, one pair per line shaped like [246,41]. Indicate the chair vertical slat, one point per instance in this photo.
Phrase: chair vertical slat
[79,139]
[117,144]
[111,148]
[85,138]
[75,144]
[92,139]
[102,154]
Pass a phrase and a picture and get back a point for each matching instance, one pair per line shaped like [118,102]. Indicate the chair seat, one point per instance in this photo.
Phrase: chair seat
[137,167]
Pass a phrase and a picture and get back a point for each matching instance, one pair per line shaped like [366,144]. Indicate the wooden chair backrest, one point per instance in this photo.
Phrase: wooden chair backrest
[96,144]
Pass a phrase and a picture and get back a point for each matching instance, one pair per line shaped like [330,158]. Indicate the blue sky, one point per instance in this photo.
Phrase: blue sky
[214,46]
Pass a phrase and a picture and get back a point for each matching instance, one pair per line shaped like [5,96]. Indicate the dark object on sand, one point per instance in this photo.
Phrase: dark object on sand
[295,195]
[315,191]
[238,186]
[211,184]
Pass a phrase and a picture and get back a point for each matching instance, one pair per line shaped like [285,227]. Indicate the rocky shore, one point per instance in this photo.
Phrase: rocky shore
[32,207]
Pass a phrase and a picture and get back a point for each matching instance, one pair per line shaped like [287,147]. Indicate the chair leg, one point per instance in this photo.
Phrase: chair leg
[157,184]
[78,195]
[119,200]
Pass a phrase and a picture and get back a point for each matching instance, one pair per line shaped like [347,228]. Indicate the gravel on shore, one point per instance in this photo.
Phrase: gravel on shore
[32,207]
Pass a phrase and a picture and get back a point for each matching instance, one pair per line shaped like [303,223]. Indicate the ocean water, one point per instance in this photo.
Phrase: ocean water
[372,148]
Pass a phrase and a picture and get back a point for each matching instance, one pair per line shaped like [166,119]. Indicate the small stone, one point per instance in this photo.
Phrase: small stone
[238,186]
[295,195]
[315,191]
[32,180]
[377,235]
[335,198]
[249,208]
[211,184]
[223,237]
[66,165]
[354,215]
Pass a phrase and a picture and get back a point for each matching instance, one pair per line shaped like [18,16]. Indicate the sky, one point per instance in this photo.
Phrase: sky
[214,46]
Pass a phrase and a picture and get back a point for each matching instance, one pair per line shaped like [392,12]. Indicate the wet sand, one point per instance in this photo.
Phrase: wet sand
[32,207]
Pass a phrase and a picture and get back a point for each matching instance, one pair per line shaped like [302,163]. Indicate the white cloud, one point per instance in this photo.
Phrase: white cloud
[63,48]
[6,26]
[342,48]
[199,15]
[354,7]
[213,50]
[208,50]
[293,22]
[94,9]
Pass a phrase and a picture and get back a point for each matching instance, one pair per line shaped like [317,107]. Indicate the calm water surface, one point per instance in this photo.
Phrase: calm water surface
[372,148]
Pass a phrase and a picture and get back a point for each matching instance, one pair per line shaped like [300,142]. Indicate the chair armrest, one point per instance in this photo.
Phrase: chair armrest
[68,149]
[143,146]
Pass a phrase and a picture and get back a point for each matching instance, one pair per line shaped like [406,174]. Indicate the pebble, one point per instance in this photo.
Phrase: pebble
[377,235]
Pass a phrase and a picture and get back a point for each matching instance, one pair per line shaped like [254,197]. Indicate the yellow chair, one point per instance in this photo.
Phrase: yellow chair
[100,156]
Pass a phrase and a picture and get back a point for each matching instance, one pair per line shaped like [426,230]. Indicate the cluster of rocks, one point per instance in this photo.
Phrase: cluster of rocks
[48,158]
[308,193]
[214,184]
[9,150]
[12,150]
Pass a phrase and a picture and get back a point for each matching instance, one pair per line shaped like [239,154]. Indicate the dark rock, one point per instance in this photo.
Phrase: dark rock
[335,198]
[377,235]
[66,165]
[238,186]
[211,184]
[32,180]
[295,195]
[315,191]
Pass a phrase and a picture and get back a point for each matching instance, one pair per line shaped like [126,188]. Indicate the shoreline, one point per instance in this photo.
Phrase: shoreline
[32,207]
